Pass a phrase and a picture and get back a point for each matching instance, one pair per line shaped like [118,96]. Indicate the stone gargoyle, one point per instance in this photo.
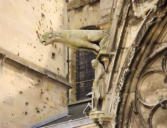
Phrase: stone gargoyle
[79,39]
[92,40]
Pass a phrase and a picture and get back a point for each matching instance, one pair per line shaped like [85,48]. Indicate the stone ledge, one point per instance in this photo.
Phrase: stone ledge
[34,67]
[100,117]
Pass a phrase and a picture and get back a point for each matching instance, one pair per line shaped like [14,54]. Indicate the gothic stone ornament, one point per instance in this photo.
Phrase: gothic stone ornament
[83,39]
[130,101]
[99,93]
[164,68]
[80,39]
[143,102]
[151,97]
[98,85]
[122,103]
[87,40]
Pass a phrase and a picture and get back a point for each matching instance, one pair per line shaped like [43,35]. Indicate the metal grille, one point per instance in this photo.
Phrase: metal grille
[84,73]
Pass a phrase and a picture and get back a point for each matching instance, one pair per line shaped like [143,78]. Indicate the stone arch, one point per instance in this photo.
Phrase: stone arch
[144,53]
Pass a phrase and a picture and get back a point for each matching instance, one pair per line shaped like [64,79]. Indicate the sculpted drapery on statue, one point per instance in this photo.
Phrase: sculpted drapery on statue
[99,85]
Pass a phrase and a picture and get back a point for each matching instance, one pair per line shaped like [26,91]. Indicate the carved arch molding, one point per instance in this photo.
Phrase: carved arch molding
[142,83]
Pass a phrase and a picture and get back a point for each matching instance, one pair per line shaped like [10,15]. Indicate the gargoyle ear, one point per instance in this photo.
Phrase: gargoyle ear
[50,35]
[42,40]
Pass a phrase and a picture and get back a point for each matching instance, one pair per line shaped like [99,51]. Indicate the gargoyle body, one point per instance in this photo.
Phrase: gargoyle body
[80,39]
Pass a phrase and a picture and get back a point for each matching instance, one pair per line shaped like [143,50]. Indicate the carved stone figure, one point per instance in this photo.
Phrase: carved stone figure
[98,85]
[93,40]
[134,87]
[81,39]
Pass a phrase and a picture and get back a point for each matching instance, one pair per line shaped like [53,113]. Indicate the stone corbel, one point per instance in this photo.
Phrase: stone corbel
[100,117]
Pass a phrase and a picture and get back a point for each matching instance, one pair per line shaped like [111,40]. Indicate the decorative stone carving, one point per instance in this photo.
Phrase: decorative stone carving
[164,66]
[151,97]
[95,41]
[81,39]
[131,95]
[99,85]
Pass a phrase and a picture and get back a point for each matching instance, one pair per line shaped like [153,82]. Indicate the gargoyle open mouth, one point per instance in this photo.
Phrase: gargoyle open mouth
[44,42]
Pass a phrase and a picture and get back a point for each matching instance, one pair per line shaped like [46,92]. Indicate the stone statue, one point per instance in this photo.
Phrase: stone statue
[98,85]
[81,39]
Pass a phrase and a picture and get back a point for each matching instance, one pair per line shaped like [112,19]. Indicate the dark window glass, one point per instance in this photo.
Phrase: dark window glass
[85,73]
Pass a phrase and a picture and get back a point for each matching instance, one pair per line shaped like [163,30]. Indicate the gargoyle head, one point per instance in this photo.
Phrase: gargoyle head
[50,38]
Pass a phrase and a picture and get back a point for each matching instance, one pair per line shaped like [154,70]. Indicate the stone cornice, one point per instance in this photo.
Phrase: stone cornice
[31,66]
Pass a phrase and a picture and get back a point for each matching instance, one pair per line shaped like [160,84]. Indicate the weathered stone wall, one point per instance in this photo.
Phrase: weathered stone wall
[91,12]
[72,75]
[32,76]
[83,16]
[23,22]
[28,97]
